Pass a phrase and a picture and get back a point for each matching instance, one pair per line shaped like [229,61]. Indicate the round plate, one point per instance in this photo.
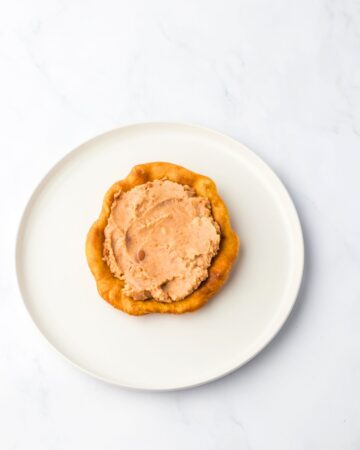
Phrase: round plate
[159,351]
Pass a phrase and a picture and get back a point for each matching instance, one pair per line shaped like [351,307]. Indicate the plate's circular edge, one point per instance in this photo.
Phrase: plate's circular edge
[262,165]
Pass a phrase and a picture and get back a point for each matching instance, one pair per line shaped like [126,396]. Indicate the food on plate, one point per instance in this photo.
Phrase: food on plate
[163,241]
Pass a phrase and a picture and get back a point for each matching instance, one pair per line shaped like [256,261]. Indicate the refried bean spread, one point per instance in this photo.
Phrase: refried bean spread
[160,239]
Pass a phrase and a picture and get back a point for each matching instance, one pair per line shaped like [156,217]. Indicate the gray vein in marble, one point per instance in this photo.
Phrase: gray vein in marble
[52,87]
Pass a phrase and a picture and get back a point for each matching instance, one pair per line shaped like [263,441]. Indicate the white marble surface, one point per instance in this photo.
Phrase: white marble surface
[284,78]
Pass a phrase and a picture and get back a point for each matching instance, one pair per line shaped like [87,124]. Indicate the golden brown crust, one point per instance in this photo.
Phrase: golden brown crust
[110,288]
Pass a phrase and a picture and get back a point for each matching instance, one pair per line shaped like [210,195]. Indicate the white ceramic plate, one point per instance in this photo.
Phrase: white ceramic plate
[159,351]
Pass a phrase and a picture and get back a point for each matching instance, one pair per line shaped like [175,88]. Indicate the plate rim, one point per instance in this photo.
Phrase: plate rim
[296,228]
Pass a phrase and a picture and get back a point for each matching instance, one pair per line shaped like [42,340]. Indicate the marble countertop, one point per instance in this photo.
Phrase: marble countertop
[283,77]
